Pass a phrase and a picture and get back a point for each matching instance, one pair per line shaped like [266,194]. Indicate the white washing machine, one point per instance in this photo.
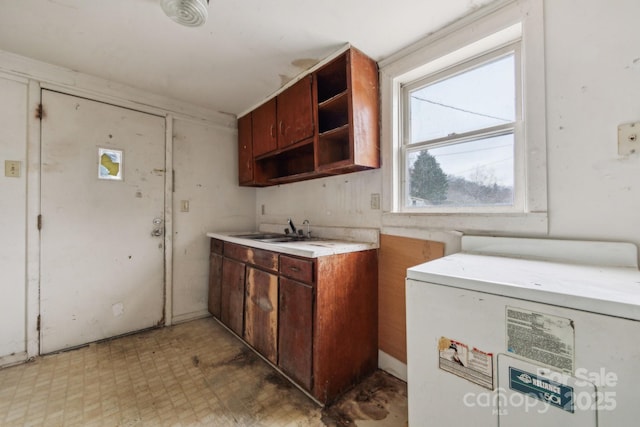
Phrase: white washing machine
[525,332]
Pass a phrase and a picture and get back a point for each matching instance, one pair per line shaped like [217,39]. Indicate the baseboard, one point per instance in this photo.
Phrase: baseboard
[13,359]
[392,365]
[181,318]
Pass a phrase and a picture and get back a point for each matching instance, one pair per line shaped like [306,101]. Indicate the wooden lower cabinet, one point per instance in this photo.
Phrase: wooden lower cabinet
[345,340]
[295,331]
[316,319]
[232,295]
[261,312]
[215,284]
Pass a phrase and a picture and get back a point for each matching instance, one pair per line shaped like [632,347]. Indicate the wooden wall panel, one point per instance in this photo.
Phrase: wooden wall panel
[395,256]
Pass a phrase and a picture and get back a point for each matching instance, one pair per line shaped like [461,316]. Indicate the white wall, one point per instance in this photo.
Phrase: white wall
[206,176]
[342,200]
[13,191]
[593,81]
[593,84]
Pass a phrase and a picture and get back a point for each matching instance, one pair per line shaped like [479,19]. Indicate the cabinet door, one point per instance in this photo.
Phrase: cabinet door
[215,284]
[245,150]
[232,295]
[261,312]
[295,113]
[296,331]
[264,128]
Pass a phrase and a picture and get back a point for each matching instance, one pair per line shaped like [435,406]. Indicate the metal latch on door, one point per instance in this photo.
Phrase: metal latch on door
[158,229]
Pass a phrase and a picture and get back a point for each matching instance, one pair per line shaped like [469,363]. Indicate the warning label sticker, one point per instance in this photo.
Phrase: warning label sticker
[541,337]
[471,364]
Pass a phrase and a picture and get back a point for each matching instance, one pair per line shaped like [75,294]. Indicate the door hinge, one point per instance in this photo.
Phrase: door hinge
[38,323]
[40,112]
[39,222]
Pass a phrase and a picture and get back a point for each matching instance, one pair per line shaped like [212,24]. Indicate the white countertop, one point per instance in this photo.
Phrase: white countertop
[305,248]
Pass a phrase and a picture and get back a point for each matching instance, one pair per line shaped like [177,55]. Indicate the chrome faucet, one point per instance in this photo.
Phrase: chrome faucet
[306,221]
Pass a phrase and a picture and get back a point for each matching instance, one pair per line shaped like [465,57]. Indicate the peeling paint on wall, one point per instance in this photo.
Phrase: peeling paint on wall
[304,63]
[117,309]
[635,64]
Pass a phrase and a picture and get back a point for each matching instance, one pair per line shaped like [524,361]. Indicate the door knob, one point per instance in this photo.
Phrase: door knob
[157,232]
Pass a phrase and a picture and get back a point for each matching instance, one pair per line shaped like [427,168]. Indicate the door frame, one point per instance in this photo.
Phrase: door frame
[34,196]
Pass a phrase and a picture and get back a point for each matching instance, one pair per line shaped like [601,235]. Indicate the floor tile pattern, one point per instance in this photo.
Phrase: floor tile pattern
[192,374]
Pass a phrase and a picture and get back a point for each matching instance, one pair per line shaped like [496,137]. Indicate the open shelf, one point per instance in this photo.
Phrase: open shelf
[333,113]
[332,79]
[333,146]
[295,178]
[288,163]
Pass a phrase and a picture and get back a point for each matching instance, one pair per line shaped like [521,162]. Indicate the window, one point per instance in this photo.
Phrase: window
[464,126]
[459,136]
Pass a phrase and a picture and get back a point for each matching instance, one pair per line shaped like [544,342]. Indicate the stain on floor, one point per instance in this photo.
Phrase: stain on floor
[192,374]
[379,397]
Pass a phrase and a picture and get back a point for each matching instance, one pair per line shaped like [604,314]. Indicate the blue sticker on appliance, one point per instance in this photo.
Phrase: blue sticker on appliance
[543,389]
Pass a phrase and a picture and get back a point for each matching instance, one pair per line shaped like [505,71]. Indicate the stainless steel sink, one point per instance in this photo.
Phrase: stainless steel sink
[274,237]
[260,236]
[279,239]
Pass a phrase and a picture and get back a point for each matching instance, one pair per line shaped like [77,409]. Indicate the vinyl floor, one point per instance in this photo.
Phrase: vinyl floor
[192,374]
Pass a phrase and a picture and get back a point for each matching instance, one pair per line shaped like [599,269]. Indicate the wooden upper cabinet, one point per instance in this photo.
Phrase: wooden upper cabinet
[325,124]
[264,128]
[284,120]
[348,114]
[295,113]
[245,150]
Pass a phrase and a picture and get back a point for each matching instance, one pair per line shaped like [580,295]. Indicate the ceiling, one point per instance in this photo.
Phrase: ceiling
[246,51]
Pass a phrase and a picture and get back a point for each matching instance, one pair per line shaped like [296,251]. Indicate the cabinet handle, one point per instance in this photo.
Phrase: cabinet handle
[281,128]
[272,131]
[294,269]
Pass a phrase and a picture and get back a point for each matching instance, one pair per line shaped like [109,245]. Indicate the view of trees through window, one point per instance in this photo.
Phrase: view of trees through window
[456,175]
[461,150]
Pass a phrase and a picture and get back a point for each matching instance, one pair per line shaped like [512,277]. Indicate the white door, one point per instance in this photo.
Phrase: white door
[102,244]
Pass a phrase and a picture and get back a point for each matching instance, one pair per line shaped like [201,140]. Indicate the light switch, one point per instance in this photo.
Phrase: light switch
[628,138]
[12,168]
[184,206]
[375,201]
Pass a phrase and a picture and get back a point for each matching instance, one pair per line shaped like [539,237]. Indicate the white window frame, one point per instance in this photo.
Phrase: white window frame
[493,27]
[515,128]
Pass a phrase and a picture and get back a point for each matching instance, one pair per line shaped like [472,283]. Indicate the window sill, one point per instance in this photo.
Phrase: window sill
[469,223]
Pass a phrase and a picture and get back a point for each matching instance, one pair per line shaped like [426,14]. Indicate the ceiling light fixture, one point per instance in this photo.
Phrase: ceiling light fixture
[191,13]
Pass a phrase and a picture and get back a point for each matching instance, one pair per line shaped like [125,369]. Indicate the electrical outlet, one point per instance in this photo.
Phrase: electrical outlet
[628,138]
[184,206]
[12,168]
[375,201]
[262,209]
